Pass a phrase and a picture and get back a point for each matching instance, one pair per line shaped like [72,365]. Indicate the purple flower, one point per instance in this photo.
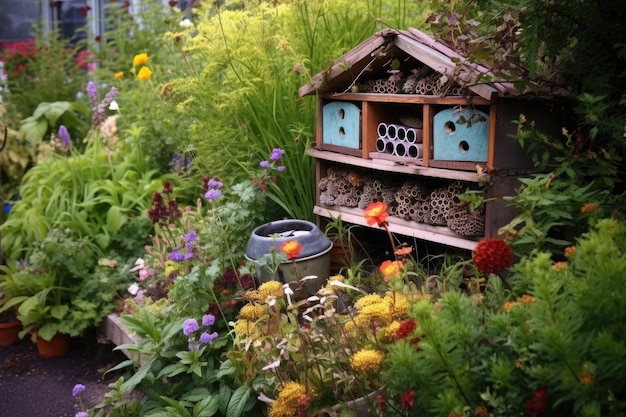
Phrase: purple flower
[213,183]
[208,320]
[78,388]
[180,164]
[190,238]
[81,414]
[190,326]
[92,92]
[98,113]
[276,154]
[65,137]
[176,255]
[213,195]
[208,338]
[280,168]
[264,164]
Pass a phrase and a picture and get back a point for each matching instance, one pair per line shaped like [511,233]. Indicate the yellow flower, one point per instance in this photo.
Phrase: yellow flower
[251,312]
[366,360]
[288,400]
[373,314]
[118,75]
[367,300]
[398,304]
[273,289]
[170,266]
[389,332]
[140,59]
[246,328]
[350,327]
[144,74]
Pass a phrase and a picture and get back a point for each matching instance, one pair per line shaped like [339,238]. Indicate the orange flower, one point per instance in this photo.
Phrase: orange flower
[589,207]
[144,74]
[140,59]
[404,251]
[587,379]
[390,269]
[508,305]
[570,251]
[559,266]
[376,213]
[518,363]
[291,248]
[481,411]
[526,299]
[118,75]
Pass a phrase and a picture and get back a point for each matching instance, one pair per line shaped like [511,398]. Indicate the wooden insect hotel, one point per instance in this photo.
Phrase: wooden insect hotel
[400,121]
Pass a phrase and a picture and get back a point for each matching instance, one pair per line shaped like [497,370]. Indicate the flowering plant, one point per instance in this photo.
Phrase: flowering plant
[323,353]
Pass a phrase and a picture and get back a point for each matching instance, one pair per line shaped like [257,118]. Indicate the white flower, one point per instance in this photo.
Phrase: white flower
[308,278]
[272,365]
[139,264]
[186,23]
[266,399]
[114,106]
[288,292]
[133,289]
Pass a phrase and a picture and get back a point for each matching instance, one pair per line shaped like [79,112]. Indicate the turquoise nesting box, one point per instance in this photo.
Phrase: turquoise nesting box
[461,135]
[341,124]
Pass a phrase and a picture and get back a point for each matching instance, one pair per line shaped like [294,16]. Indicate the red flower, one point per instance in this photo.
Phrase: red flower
[291,248]
[381,401]
[406,328]
[376,213]
[492,255]
[537,404]
[407,399]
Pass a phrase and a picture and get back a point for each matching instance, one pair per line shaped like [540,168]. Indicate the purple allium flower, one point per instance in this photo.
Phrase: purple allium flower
[208,338]
[78,388]
[276,154]
[180,164]
[264,164]
[280,168]
[92,92]
[213,195]
[190,326]
[208,320]
[213,183]
[81,414]
[176,255]
[65,137]
[190,238]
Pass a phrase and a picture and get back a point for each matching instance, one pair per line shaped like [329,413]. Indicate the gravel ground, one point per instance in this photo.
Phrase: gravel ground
[31,386]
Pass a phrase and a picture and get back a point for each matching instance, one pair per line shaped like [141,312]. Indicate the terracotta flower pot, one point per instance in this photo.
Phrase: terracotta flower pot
[58,346]
[9,333]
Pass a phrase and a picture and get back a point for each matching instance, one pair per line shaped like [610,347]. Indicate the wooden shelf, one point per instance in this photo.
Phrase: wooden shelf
[438,234]
[406,98]
[391,166]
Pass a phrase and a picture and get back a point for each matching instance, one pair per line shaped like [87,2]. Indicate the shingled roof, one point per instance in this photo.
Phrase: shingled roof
[372,56]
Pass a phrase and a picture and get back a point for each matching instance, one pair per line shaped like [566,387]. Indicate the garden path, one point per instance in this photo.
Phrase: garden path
[31,386]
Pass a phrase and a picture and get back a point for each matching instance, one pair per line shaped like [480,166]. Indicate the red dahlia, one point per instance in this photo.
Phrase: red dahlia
[492,255]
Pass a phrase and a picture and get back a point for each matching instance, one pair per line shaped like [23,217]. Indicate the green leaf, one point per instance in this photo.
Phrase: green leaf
[115,219]
[238,401]
[207,407]
[172,370]
[133,381]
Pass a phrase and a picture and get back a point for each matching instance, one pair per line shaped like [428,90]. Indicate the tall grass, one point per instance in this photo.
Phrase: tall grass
[249,65]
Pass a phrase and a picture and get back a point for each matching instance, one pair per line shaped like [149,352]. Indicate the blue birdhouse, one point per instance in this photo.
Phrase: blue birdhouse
[341,124]
[461,134]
